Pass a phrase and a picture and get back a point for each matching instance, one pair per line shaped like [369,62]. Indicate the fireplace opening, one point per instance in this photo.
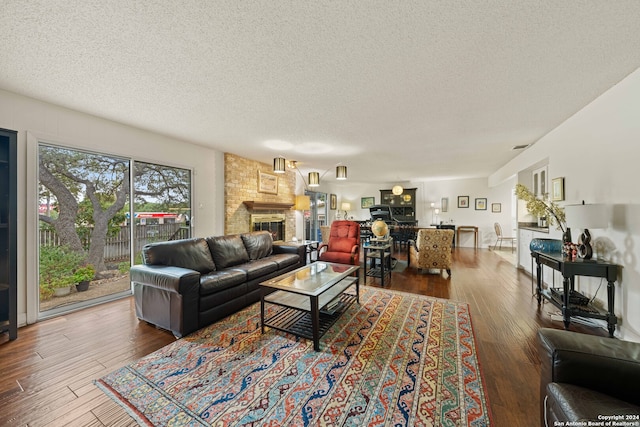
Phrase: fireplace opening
[274,223]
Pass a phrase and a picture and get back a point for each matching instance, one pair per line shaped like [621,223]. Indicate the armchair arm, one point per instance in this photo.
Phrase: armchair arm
[606,365]
[355,254]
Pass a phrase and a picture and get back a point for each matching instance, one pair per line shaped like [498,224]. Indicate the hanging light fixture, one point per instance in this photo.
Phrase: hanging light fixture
[397,190]
[341,172]
[314,179]
[279,164]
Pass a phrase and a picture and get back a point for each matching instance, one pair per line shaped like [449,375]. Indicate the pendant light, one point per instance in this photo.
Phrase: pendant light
[279,165]
[314,179]
[397,190]
[341,172]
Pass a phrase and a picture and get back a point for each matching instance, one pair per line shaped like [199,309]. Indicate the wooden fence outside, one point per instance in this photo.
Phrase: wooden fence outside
[116,248]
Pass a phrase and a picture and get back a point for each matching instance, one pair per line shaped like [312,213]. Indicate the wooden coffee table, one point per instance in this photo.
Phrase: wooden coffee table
[310,299]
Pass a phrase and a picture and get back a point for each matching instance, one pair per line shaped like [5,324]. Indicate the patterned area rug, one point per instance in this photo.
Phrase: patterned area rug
[396,359]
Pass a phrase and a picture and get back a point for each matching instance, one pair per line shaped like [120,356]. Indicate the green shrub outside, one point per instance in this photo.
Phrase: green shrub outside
[57,267]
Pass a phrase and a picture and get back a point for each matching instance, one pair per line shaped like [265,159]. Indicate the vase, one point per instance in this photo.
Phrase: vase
[545,245]
[566,236]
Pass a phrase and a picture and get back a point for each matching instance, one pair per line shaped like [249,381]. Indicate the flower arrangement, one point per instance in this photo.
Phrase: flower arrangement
[542,207]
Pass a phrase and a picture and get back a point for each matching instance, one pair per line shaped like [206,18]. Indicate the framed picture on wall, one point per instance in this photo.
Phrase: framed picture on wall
[444,204]
[333,202]
[557,189]
[481,204]
[267,183]
[496,207]
[463,201]
[367,202]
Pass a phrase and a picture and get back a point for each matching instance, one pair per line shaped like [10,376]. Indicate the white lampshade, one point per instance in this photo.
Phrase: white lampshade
[587,216]
[345,206]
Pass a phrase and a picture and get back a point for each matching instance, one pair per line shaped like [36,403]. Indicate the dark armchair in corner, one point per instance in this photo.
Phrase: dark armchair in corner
[344,243]
[586,377]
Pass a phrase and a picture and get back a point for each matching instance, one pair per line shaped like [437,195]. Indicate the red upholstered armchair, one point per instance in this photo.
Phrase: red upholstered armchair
[344,243]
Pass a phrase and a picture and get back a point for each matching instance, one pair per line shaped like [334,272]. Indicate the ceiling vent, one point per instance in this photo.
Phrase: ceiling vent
[520,147]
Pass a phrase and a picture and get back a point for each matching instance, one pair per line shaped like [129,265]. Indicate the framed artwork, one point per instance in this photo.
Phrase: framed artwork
[463,201]
[444,204]
[333,202]
[267,183]
[481,204]
[557,189]
[367,202]
[496,207]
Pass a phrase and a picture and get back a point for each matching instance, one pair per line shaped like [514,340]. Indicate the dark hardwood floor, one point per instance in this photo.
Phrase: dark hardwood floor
[48,372]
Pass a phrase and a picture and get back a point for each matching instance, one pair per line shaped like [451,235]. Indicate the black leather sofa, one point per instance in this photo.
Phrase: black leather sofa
[187,284]
[588,378]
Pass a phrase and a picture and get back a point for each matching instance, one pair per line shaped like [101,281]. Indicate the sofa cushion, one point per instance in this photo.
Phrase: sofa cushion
[257,268]
[258,244]
[220,280]
[284,260]
[227,251]
[187,253]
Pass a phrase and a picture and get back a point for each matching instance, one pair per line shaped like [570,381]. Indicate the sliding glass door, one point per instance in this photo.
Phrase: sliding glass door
[88,234]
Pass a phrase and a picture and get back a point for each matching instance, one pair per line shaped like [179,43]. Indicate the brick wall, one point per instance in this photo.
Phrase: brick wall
[241,183]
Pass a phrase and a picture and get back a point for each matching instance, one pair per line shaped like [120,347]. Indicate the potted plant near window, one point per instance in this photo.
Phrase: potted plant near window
[61,286]
[82,276]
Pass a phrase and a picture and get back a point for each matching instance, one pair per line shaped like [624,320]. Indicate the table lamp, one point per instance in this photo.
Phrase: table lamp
[345,206]
[587,217]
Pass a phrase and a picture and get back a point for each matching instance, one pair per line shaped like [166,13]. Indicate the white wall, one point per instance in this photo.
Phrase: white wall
[597,151]
[60,125]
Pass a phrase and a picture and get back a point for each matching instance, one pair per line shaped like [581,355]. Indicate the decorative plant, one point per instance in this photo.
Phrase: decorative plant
[57,266]
[84,274]
[542,207]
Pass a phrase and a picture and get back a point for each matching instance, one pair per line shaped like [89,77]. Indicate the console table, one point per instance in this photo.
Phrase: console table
[471,229]
[570,269]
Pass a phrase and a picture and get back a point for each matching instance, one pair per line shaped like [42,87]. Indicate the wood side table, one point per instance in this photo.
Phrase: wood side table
[469,229]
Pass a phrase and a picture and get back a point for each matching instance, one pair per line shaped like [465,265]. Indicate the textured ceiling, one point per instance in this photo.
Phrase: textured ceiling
[395,90]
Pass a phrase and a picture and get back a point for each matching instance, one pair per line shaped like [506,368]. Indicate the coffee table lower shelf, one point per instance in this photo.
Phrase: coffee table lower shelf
[299,322]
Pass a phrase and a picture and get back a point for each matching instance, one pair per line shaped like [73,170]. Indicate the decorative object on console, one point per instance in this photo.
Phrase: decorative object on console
[545,245]
[463,201]
[542,207]
[313,179]
[587,216]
